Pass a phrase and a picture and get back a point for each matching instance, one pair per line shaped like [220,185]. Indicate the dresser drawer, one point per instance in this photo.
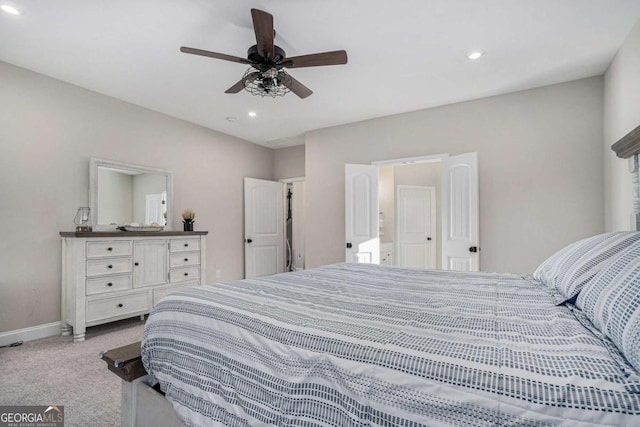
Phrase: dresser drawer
[184,274]
[105,308]
[108,249]
[101,267]
[184,260]
[184,245]
[108,284]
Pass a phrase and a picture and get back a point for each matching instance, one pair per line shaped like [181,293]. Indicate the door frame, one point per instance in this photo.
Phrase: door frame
[432,158]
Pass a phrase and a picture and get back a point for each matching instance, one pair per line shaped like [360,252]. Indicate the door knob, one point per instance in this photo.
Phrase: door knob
[428,238]
[249,240]
[473,249]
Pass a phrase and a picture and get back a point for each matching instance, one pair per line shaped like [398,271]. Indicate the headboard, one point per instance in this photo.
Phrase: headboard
[628,147]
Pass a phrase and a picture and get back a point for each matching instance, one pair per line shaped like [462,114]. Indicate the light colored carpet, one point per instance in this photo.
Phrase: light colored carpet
[54,371]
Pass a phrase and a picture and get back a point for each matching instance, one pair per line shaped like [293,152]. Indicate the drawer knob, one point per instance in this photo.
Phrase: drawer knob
[120,306]
[186,274]
[186,259]
[109,249]
[186,245]
[109,266]
[109,284]
[136,264]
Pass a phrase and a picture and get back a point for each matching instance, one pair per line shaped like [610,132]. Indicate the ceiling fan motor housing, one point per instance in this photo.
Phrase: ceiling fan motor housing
[262,63]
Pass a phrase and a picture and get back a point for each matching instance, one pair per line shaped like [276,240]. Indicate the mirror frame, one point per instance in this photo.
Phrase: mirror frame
[94,163]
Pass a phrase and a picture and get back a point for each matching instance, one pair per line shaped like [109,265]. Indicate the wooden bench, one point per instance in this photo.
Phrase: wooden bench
[125,362]
[143,404]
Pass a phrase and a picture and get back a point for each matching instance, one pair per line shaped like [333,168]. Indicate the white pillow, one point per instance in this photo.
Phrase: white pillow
[569,269]
[611,300]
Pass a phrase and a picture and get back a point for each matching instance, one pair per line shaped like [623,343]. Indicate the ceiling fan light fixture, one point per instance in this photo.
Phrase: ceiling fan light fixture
[272,82]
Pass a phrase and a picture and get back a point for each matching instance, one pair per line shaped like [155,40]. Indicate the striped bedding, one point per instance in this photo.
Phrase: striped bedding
[369,345]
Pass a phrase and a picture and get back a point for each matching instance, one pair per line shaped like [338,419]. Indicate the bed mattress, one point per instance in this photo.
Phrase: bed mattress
[361,344]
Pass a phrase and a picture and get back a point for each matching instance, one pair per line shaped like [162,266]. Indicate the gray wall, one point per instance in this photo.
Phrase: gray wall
[48,132]
[621,115]
[289,162]
[540,166]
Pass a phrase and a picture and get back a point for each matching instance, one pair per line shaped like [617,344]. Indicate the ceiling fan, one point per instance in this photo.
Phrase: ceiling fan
[267,76]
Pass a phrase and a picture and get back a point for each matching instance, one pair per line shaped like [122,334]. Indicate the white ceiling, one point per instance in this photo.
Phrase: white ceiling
[404,55]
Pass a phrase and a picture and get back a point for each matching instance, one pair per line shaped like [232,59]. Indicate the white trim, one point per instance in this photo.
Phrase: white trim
[31,333]
[292,180]
[411,160]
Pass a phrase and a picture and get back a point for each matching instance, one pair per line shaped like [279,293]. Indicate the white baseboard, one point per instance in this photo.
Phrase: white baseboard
[31,333]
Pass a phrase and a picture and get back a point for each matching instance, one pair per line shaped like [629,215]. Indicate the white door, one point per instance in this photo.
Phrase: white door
[460,238]
[263,227]
[361,214]
[416,231]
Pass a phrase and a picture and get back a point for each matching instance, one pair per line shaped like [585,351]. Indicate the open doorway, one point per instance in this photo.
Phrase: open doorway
[456,239]
[409,222]
[294,224]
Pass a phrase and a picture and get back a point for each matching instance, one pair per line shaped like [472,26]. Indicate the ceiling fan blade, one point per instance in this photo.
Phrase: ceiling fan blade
[263,27]
[236,87]
[298,88]
[336,57]
[214,55]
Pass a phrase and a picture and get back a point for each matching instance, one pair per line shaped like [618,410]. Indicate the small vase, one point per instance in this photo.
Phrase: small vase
[188,225]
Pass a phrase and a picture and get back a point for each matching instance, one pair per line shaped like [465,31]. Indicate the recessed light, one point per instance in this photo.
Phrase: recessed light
[231,119]
[475,55]
[252,114]
[10,9]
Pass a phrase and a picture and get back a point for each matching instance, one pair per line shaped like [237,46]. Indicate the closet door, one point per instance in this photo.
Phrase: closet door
[263,227]
[416,226]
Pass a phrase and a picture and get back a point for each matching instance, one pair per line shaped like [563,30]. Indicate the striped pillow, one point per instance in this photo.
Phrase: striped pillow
[570,268]
[612,302]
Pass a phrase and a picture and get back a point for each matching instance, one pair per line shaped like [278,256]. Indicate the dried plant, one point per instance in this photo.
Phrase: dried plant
[188,214]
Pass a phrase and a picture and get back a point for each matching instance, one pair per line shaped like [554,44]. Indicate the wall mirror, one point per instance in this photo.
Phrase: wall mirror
[122,193]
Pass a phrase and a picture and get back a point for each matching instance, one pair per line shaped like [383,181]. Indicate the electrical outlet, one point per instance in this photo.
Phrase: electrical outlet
[218,274]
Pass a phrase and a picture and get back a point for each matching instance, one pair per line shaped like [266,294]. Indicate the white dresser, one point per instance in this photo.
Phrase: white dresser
[109,276]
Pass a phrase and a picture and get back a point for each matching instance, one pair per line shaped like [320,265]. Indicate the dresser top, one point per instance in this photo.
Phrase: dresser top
[89,234]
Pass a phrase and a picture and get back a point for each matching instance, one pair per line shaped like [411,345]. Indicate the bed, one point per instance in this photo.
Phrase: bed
[362,344]
[359,344]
